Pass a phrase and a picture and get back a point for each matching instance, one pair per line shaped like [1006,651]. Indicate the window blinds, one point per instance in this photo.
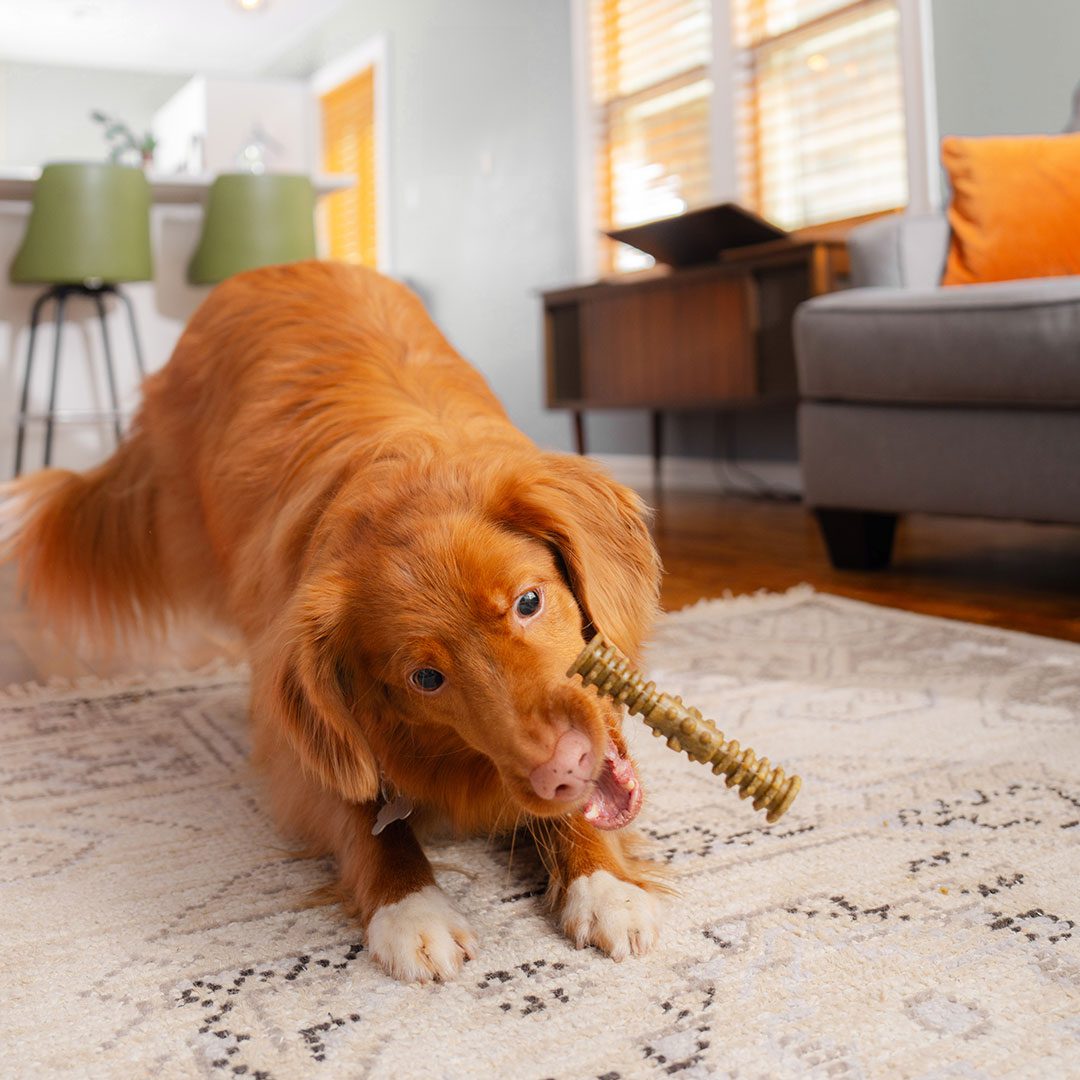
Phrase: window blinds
[820,108]
[348,132]
[651,94]
[819,125]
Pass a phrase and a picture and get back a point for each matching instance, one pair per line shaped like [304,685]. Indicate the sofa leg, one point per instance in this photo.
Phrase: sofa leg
[857,539]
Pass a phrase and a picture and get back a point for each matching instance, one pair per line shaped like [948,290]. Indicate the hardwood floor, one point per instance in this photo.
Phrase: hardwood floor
[1023,577]
[1009,574]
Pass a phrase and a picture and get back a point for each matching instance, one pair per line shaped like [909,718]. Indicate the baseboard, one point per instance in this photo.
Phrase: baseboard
[767,478]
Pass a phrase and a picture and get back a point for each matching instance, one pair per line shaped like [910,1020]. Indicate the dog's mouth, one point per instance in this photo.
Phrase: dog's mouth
[616,796]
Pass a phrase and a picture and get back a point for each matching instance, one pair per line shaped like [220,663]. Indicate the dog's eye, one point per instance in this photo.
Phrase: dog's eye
[528,603]
[427,679]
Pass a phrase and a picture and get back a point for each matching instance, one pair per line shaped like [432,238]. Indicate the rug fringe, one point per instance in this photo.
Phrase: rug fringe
[764,599]
[733,602]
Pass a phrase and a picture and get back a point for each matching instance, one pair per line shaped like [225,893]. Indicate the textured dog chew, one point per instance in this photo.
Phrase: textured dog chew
[603,666]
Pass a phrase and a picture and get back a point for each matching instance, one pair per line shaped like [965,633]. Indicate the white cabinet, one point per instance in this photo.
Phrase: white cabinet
[209,123]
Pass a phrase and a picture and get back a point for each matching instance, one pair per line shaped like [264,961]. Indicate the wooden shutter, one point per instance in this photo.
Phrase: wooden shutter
[651,92]
[820,108]
[348,130]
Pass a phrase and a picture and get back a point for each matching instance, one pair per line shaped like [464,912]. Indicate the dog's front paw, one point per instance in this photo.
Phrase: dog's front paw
[620,918]
[421,937]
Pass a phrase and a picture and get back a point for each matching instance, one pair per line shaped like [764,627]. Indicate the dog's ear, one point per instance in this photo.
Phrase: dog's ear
[599,530]
[309,695]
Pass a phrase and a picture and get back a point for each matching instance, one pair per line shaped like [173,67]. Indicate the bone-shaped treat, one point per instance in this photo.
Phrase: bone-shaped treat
[603,666]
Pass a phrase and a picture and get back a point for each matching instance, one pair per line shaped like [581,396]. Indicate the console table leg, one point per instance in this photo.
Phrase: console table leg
[657,444]
[579,431]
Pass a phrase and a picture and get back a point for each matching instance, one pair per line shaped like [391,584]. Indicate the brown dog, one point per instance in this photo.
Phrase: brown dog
[413,577]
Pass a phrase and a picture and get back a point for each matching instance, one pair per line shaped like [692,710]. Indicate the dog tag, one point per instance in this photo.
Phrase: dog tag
[397,809]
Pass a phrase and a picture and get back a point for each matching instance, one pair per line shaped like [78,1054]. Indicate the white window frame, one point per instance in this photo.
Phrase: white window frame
[925,192]
[920,116]
[588,260]
[373,53]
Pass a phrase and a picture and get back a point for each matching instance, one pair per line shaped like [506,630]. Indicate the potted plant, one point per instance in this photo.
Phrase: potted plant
[124,145]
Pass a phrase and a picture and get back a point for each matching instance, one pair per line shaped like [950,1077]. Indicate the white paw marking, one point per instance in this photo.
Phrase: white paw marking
[620,918]
[421,937]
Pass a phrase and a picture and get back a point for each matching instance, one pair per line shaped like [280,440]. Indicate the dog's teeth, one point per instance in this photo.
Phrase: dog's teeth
[631,784]
[592,813]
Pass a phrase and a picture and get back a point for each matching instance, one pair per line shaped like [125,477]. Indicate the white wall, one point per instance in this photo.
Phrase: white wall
[482,187]
[483,194]
[205,126]
[484,197]
[1005,67]
[45,110]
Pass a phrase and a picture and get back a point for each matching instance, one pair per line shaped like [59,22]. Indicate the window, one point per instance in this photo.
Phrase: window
[651,90]
[348,142]
[820,118]
[817,131]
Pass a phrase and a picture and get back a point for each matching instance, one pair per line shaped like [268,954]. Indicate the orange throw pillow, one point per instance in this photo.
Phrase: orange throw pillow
[1015,210]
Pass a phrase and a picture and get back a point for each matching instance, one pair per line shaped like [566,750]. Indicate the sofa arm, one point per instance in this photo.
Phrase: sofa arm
[903,250]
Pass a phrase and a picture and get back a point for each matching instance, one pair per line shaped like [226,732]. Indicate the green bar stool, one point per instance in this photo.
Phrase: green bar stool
[254,220]
[89,230]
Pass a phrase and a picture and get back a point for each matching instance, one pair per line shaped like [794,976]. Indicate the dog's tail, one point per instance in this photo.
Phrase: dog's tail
[87,545]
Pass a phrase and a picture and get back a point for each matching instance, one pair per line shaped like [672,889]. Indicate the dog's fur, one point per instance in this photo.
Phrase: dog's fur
[317,466]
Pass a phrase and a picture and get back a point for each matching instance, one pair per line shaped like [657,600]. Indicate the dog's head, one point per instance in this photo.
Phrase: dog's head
[430,644]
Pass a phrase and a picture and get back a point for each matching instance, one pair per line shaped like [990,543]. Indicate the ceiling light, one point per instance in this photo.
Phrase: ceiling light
[250,5]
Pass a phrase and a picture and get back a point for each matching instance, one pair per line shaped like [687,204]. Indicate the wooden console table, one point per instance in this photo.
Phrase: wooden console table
[711,336]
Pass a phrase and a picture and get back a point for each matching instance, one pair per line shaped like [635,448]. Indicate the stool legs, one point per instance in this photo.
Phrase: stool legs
[126,301]
[110,375]
[61,299]
[24,399]
[60,293]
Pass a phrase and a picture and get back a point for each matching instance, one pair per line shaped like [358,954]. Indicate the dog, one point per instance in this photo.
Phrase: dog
[412,577]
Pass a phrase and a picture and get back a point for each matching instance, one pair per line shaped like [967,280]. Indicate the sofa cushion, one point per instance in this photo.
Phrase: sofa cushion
[899,249]
[1006,343]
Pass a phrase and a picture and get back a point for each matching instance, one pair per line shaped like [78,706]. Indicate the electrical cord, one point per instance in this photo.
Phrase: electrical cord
[736,479]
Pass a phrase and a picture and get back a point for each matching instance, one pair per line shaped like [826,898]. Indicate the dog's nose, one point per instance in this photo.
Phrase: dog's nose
[566,774]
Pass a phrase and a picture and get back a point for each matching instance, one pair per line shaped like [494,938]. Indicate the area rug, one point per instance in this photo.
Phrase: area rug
[914,915]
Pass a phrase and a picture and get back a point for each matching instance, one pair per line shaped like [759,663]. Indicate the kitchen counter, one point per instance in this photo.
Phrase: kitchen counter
[17,184]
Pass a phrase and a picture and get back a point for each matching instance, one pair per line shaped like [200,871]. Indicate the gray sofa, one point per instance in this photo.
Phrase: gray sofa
[914,397]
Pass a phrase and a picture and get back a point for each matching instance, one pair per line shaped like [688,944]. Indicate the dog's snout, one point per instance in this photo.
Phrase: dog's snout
[568,772]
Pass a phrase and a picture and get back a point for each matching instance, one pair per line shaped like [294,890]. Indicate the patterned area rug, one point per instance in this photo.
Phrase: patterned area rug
[914,915]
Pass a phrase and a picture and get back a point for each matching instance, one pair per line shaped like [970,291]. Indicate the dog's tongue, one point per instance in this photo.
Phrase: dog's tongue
[617,796]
